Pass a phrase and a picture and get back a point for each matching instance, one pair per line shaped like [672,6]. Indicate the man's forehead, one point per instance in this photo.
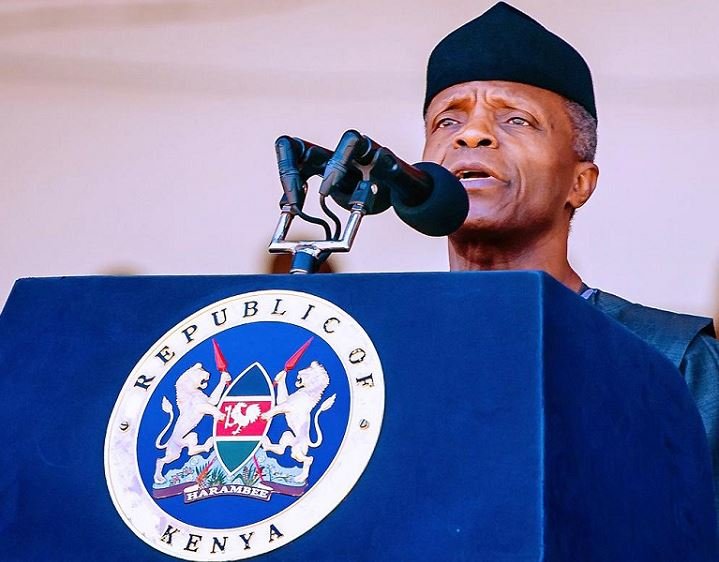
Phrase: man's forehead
[494,92]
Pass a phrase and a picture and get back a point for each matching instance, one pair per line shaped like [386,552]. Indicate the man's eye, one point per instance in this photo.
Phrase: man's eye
[446,122]
[518,121]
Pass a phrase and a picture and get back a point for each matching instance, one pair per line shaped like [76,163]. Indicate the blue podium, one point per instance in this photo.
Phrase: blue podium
[520,424]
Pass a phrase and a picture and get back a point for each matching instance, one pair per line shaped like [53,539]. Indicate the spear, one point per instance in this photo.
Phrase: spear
[220,361]
[292,361]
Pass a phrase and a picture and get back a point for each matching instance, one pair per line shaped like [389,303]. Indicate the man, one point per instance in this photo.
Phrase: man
[510,110]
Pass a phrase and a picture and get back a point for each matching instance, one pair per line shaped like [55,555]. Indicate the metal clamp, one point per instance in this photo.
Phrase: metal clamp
[307,254]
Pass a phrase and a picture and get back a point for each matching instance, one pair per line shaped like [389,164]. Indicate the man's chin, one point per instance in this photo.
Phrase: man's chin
[479,229]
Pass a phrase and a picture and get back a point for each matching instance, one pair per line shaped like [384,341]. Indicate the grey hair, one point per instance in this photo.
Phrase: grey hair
[584,130]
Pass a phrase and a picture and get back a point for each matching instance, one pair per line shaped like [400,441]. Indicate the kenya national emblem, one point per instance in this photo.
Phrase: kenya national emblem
[205,443]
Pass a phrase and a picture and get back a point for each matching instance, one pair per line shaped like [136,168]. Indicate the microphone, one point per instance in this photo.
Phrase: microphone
[426,196]
[349,159]
[298,160]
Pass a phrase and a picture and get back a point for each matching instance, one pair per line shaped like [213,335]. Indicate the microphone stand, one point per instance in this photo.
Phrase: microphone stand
[355,155]
[426,196]
[308,255]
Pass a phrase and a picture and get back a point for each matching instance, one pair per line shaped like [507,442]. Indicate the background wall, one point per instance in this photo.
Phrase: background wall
[137,136]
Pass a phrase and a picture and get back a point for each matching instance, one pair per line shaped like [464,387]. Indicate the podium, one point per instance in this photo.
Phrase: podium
[520,423]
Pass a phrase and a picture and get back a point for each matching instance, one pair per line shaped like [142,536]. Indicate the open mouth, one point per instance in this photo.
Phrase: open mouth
[478,176]
[472,174]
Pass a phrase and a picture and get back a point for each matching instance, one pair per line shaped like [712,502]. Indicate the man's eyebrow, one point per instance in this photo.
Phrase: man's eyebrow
[454,102]
[498,99]
[515,101]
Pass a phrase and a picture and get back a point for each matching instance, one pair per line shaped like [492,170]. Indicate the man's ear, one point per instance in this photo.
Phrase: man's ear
[585,180]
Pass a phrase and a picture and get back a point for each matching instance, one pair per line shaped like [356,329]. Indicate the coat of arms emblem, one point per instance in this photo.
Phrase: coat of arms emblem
[236,414]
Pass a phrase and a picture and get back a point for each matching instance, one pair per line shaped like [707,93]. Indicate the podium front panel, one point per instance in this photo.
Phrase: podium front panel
[471,462]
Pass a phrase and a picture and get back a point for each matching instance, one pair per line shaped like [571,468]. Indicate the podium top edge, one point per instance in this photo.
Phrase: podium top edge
[22,285]
[225,276]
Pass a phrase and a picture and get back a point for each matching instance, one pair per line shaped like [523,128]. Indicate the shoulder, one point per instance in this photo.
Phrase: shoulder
[669,332]
[703,347]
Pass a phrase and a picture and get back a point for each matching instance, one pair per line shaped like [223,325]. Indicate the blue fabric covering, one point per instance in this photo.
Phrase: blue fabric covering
[521,424]
[689,343]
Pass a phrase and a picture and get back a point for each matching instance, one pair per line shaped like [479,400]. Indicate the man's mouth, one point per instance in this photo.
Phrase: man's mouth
[479,178]
[472,174]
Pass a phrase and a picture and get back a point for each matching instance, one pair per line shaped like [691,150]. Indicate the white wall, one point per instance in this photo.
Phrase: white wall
[138,135]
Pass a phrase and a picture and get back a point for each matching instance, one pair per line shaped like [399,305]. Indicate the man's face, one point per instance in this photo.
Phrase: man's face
[511,146]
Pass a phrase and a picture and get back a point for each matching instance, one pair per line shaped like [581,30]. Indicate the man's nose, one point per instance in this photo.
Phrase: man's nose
[475,134]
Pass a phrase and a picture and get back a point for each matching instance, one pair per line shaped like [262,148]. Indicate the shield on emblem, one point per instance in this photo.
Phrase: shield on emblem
[238,436]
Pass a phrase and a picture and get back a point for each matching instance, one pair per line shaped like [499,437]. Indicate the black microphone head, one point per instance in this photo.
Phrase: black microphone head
[446,208]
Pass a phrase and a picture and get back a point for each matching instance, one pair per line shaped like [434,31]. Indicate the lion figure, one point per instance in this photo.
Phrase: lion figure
[193,404]
[297,409]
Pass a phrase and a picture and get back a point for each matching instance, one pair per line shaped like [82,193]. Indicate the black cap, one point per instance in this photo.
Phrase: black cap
[506,44]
